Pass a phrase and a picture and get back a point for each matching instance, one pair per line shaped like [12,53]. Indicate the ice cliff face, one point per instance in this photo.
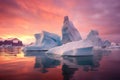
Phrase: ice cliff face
[69,32]
[48,40]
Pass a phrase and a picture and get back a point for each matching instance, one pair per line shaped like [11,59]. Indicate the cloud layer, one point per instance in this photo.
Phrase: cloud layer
[23,18]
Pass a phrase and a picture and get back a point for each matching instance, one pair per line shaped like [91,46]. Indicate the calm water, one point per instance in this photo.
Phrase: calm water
[103,65]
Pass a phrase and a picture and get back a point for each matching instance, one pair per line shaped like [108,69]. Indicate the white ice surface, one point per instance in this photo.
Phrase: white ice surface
[69,46]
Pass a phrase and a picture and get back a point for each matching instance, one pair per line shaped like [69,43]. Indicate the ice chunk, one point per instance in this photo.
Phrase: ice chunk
[96,41]
[69,32]
[114,46]
[45,41]
[93,36]
[74,46]
[106,43]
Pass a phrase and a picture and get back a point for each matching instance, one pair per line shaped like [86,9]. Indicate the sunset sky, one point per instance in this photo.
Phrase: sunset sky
[23,18]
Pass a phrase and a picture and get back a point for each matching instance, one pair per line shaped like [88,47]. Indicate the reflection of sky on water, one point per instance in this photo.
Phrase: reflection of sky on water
[10,50]
[103,65]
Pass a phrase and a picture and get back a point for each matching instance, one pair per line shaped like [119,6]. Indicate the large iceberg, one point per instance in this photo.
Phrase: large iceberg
[44,41]
[71,41]
[69,32]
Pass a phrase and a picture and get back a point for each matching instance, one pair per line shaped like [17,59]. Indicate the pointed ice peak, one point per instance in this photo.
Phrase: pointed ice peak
[66,18]
[69,32]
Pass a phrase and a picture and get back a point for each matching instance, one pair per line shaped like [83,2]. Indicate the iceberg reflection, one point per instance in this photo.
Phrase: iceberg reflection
[72,65]
[42,61]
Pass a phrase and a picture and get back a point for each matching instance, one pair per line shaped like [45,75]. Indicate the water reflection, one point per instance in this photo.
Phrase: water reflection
[73,64]
[86,63]
[10,51]
[42,61]
[71,67]
[69,63]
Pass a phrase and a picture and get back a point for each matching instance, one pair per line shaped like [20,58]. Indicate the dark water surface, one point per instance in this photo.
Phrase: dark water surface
[103,65]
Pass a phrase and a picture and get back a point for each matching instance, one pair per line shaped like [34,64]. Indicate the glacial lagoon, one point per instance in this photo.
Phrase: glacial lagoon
[103,65]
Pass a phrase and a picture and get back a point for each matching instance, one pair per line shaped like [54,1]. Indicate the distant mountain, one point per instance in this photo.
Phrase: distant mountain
[11,41]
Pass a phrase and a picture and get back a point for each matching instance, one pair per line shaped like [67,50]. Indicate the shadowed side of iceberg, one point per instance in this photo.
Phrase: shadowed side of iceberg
[81,47]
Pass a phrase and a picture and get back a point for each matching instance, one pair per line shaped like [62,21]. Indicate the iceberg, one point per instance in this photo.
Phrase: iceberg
[69,32]
[74,48]
[44,41]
